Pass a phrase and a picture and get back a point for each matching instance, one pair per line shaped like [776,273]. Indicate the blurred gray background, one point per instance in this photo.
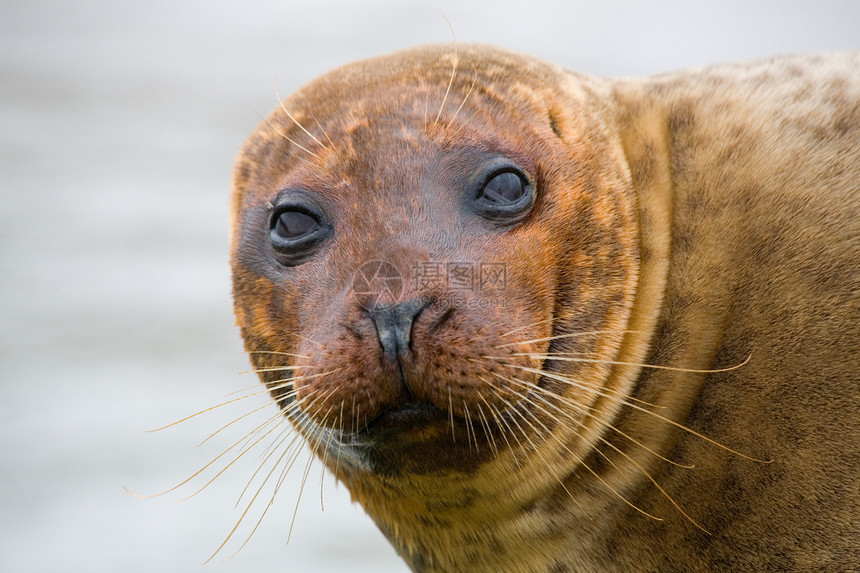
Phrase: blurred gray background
[119,122]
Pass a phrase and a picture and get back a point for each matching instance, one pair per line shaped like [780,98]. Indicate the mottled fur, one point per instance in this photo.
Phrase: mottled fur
[689,221]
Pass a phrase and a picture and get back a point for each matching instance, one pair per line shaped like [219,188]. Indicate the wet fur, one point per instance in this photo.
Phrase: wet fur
[704,220]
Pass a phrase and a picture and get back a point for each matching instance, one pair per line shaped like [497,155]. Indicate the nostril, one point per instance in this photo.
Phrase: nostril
[394,326]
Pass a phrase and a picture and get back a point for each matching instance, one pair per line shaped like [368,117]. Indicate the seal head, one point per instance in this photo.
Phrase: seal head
[414,256]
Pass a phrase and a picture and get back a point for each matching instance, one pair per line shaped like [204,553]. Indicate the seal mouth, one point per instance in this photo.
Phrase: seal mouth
[411,422]
[413,439]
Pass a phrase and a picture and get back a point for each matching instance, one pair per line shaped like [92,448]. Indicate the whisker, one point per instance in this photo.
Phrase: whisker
[485,424]
[280,420]
[301,490]
[310,340]
[283,134]
[466,97]
[215,459]
[469,426]
[333,146]
[553,356]
[201,470]
[294,446]
[532,325]
[282,383]
[451,415]
[274,385]
[567,417]
[657,485]
[604,392]
[560,336]
[328,441]
[253,388]
[292,409]
[292,453]
[277,353]
[533,445]
[242,517]
[499,417]
[586,466]
[272,449]
[453,73]
[209,409]
[520,428]
[339,443]
[243,416]
[271,369]
[586,412]
[630,404]
[631,460]
[284,412]
[300,126]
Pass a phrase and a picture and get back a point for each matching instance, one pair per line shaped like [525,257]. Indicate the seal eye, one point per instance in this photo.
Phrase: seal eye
[504,189]
[294,224]
[296,229]
[504,195]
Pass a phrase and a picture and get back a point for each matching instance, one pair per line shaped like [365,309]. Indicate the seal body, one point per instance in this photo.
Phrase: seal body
[538,321]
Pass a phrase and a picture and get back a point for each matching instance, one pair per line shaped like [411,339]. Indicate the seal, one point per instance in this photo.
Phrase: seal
[540,321]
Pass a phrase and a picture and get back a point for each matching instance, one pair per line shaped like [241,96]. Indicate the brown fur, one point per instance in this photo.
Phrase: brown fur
[688,221]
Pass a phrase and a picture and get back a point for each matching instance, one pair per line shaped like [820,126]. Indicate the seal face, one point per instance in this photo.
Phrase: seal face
[498,298]
[454,206]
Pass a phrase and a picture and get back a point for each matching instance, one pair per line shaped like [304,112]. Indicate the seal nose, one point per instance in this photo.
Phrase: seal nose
[394,327]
